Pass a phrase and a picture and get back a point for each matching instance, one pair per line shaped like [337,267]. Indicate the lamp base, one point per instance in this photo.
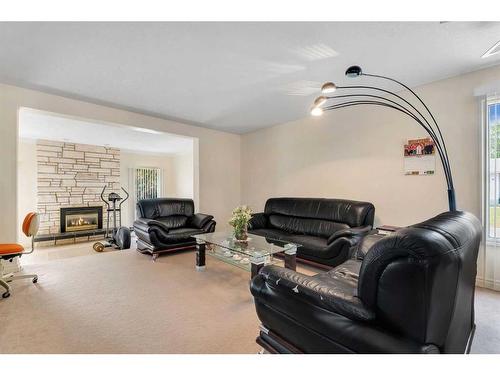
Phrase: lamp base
[452,203]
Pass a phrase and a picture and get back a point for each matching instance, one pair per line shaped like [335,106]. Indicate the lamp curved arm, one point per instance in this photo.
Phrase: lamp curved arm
[443,156]
[426,125]
[410,90]
[373,102]
[420,100]
[393,94]
[398,108]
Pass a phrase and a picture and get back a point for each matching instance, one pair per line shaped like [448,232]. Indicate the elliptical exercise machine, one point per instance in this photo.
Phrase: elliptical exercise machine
[118,237]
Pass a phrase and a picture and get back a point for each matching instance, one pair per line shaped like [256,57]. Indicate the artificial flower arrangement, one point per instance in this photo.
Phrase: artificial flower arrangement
[239,221]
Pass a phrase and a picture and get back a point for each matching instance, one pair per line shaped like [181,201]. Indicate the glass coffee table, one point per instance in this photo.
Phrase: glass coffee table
[251,255]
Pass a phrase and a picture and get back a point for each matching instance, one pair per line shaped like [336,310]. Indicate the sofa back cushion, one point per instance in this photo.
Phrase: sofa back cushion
[317,216]
[299,225]
[165,207]
[174,221]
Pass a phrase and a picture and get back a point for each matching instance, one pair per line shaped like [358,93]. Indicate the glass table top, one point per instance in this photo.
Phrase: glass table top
[256,246]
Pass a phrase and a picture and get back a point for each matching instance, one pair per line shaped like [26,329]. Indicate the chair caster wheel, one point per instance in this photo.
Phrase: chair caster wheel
[99,247]
[35,279]
[6,295]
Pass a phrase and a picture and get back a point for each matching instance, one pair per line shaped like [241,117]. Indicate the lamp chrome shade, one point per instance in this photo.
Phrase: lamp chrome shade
[328,88]
[316,111]
[353,71]
[319,101]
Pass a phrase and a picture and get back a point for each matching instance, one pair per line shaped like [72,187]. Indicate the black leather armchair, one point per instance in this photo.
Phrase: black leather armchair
[165,225]
[409,292]
[326,228]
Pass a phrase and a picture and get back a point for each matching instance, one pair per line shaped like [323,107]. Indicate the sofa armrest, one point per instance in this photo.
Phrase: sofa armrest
[199,220]
[146,224]
[258,221]
[328,295]
[209,227]
[350,234]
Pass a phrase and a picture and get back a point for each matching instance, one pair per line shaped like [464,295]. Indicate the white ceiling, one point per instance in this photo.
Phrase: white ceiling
[231,76]
[41,125]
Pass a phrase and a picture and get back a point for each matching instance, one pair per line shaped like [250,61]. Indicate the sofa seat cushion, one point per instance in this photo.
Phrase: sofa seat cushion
[346,274]
[178,234]
[310,245]
[314,246]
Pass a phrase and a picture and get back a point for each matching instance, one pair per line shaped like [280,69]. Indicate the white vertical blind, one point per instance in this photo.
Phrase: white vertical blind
[145,182]
[148,183]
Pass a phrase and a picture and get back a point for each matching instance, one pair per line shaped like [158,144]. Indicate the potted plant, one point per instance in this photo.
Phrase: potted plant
[239,221]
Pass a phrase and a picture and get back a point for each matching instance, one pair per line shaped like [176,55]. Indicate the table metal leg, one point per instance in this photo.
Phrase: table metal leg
[291,256]
[256,262]
[200,256]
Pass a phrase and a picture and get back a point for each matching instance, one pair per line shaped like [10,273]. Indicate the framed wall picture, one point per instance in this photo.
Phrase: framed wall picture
[419,157]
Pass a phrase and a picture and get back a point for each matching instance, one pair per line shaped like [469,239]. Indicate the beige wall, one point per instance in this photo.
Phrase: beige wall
[182,173]
[178,180]
[357,152]
[27,184]
[219,152]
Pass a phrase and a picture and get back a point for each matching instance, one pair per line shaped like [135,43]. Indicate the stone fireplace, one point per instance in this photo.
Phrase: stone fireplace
[77,219]
[71,176]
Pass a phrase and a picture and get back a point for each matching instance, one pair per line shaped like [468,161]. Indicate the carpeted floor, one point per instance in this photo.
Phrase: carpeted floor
[121,302]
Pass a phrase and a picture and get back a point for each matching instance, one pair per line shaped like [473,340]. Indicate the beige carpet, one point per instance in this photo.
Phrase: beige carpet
[121,302]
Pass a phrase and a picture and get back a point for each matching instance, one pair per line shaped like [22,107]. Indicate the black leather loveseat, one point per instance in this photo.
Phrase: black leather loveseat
[326,228]
[409,292]
[166,224]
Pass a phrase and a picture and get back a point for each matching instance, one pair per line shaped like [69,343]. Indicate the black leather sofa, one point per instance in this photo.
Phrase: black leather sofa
[410,292]
[165,225]
[326,228]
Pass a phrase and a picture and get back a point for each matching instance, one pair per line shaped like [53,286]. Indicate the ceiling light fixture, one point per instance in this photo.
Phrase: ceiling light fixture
[353,71]
[316,111]
[328,88]
[492,51]
[390,99]
[319,101]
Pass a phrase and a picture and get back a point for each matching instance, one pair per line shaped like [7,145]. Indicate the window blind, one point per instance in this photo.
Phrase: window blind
[148,183]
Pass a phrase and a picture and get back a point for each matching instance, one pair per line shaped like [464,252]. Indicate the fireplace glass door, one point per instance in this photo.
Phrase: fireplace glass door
[84,221]
[75,219]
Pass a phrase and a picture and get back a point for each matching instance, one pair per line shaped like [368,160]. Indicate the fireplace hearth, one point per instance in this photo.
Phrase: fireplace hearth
[78,219]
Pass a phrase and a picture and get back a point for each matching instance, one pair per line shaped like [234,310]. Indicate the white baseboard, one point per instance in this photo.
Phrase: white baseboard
[488,283]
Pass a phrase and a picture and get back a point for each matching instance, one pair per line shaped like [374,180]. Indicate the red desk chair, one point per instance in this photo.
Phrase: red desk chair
[10,251]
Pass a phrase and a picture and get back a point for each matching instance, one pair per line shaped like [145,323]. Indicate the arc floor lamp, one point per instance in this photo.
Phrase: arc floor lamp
[385,98]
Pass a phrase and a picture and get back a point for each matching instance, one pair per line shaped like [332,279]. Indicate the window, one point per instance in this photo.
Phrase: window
[148,183]
[492,122]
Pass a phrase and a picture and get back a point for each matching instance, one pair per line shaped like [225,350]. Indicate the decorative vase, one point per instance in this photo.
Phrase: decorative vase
[241,234]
